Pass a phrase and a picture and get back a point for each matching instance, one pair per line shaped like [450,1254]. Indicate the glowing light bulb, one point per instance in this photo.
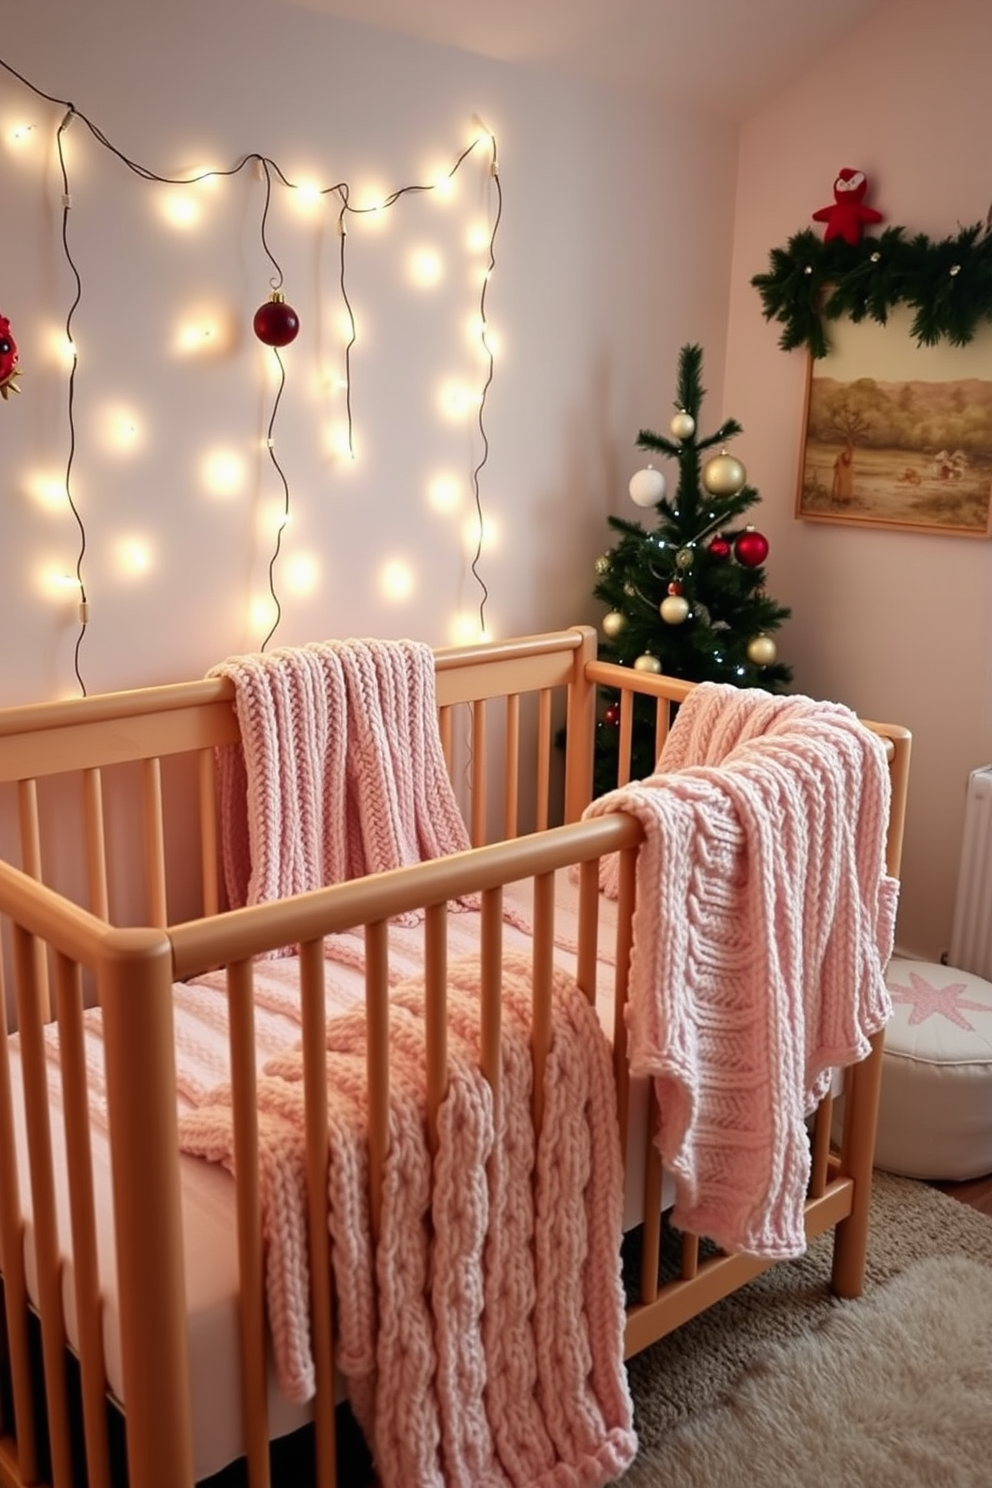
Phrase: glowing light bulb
[425,267]
[457,401]
[133,556]
[121,430]
[465,629]
[444,184]
[444,493]
[54,582]
[20,135]
[180,209]
[223,472]
[307,198]
[262,611]
[302,574]
[484,533]
[477,238]
[47,491]
[201,336]
[396,579]
[62,350]
[339,443]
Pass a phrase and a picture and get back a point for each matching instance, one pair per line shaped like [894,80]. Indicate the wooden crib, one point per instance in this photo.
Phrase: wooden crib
[109,893]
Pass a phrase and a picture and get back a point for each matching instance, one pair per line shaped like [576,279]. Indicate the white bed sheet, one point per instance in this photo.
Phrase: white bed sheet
[209,1228]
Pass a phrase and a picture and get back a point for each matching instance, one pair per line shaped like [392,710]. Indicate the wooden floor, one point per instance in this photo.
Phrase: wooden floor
[975,1191]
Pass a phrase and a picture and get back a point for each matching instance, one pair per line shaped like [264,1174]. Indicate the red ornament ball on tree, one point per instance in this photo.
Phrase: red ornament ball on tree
[751,548]
[720,547]
[612,715]
[275,322]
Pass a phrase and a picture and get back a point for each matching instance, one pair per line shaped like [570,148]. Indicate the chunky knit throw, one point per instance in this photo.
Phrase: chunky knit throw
[763,924]
[481,1339]
[339,771]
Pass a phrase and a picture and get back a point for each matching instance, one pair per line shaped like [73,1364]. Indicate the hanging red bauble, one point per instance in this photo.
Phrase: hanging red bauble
[612,715]
[720,547]
[276,323]
[751,548]
[675,587]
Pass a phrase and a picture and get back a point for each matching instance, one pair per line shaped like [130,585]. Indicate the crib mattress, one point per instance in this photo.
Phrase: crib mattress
[209,1225]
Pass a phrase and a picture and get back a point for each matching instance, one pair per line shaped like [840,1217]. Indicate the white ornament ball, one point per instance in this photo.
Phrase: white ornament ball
[761,650]
[613,623]
[647,487]
[724,475]
[647,663]
[674,609]
[682,425]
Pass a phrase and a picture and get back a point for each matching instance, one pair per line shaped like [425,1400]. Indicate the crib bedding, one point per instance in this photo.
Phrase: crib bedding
[209,1227]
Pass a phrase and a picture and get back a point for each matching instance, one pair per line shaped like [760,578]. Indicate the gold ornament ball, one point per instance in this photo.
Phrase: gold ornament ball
[724,475]
[613,623]
[647,487]
[682,425]
[647,663]
[603,564]
[674,609]
[761,650]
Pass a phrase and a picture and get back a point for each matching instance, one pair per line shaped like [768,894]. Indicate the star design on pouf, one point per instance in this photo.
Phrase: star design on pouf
[926,1000]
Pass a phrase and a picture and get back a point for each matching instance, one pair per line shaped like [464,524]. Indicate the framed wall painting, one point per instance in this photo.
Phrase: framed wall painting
[898,435]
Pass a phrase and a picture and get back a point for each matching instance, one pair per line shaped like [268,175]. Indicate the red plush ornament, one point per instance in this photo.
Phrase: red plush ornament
[751,548]
[276,323]
[846,217]
[8,360]
[720,547]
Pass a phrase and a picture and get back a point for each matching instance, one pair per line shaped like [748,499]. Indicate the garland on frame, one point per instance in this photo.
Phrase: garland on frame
[947,284]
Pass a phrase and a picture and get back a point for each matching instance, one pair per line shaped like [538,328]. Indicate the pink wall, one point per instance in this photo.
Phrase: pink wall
[596,285]
[897,625]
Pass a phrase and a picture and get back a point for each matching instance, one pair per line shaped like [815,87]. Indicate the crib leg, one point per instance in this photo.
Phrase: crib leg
[862,1087]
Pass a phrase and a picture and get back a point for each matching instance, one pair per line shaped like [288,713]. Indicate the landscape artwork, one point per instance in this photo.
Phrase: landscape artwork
[898,435]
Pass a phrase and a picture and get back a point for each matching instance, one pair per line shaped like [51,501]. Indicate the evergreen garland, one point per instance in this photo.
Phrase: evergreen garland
[947,284]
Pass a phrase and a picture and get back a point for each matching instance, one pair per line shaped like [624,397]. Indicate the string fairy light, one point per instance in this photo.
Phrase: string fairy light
[307,194]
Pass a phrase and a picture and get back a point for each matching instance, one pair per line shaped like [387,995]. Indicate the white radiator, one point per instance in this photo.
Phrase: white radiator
[971,936]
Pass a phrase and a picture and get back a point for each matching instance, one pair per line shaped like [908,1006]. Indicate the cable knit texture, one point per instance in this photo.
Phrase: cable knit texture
[763,924]
[339,772]
[481,1339]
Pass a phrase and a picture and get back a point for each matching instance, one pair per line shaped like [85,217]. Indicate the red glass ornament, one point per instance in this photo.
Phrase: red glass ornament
[612,715]
[276,323]
[751,548]
[720,547]
[675,587]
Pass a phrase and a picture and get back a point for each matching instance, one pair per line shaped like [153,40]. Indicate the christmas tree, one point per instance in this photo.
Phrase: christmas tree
[687,598]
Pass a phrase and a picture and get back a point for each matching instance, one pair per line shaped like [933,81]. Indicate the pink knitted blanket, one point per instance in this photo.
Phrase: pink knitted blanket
[481,1340]
[339,771]
[763,924]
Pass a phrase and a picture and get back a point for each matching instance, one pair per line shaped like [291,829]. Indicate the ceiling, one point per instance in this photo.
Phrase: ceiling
[725,56]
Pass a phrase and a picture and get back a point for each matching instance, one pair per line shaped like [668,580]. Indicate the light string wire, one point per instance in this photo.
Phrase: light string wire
[268,167]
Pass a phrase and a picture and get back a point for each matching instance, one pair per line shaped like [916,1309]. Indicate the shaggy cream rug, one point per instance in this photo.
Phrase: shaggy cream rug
[782,1386]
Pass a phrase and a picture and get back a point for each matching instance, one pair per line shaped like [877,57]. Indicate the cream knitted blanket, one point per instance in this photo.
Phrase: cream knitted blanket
[339,771]
[481,1340]
[763,924]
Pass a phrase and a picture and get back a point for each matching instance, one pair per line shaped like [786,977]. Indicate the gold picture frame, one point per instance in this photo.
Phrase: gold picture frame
[898,435]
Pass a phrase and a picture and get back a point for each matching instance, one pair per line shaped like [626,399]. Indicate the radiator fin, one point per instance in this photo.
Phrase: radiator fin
[971,936]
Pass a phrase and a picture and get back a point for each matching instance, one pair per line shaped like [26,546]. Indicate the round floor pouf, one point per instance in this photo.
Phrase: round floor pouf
[935,1116]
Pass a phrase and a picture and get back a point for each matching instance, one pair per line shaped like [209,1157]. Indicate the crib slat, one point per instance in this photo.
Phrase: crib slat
[89,1309]
[662,716]
[445,723]
[626,737]
[544,944]
[625,914]
[154,841]
[588,928]
[436,1014]
[30,1024]
[690,1257]
[543,758]
[377,1016]
[209,861]
[651,1235]
[492,987]
[96,850]
[511,785]
[27,807]
[251,1288]
[315,1100]
[479,741]
[820,1146]
[12,1261]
